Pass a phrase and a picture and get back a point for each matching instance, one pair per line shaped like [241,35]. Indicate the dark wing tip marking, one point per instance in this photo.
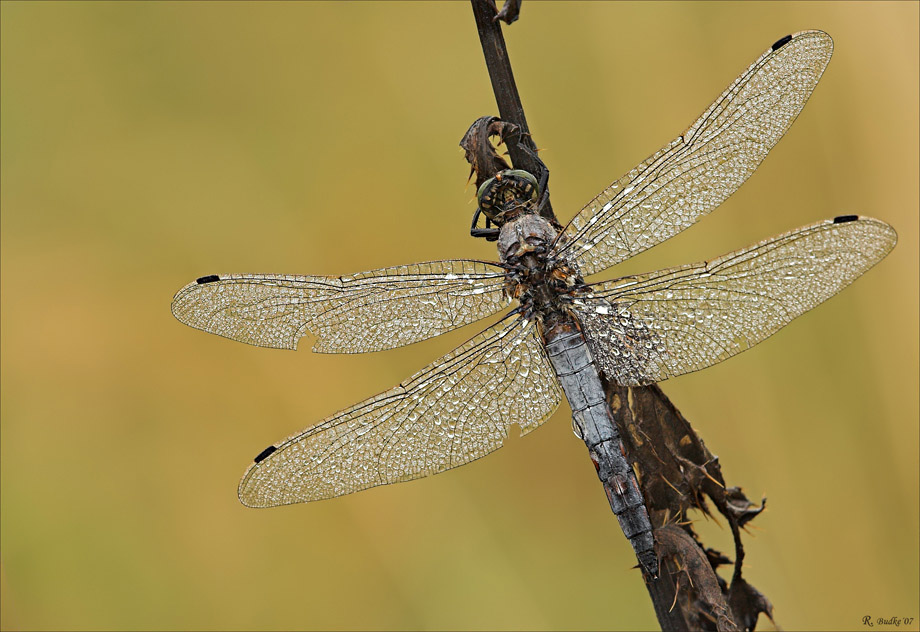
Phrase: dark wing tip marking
[261,456]
[840,219]
[211,278]
[781,42]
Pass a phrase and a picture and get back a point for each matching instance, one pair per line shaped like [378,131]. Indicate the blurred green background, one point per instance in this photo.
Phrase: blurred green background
[146,144]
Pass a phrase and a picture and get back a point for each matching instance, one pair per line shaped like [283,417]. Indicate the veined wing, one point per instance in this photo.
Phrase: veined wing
[454,411]
[647,328]
[370,311]
[698,170]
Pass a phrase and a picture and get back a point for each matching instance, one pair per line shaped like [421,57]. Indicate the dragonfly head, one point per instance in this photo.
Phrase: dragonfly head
[504,197]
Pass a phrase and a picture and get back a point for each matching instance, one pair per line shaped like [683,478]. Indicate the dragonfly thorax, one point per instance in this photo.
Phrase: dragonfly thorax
[529,233]
[543,284]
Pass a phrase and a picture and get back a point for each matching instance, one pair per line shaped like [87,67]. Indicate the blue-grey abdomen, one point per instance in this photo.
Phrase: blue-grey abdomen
[594,423]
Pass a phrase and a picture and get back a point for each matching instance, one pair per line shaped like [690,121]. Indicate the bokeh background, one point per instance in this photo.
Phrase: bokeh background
[146,144]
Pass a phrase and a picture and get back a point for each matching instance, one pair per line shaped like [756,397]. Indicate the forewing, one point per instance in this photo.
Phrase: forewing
[698,170]
[370,311]
[650,327]
[454,411]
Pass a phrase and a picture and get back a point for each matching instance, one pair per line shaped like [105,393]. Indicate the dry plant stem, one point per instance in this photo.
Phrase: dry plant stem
[523,152]
[675,469]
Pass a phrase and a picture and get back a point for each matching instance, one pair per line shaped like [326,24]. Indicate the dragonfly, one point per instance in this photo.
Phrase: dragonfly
[562,335]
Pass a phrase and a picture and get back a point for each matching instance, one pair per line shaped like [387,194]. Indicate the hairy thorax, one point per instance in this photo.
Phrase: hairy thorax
[544,285]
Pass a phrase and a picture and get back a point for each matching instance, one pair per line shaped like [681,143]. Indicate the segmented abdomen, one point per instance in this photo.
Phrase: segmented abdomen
[571,359]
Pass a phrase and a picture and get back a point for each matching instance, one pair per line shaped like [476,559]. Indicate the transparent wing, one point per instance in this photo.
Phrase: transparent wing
[696,172]
[650,327]
[371,311]
[454,411]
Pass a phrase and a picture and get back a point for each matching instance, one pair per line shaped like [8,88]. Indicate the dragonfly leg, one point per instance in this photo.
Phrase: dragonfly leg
[489,233]
[544,187]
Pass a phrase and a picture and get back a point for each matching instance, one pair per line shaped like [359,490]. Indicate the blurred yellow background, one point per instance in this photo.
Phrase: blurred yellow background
[146,144]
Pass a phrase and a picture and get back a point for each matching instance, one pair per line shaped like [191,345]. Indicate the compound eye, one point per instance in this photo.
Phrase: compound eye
[483,187]
[525,175]
[485,197]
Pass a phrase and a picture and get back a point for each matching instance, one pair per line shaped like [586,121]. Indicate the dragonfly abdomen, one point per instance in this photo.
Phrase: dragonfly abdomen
[572,362]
